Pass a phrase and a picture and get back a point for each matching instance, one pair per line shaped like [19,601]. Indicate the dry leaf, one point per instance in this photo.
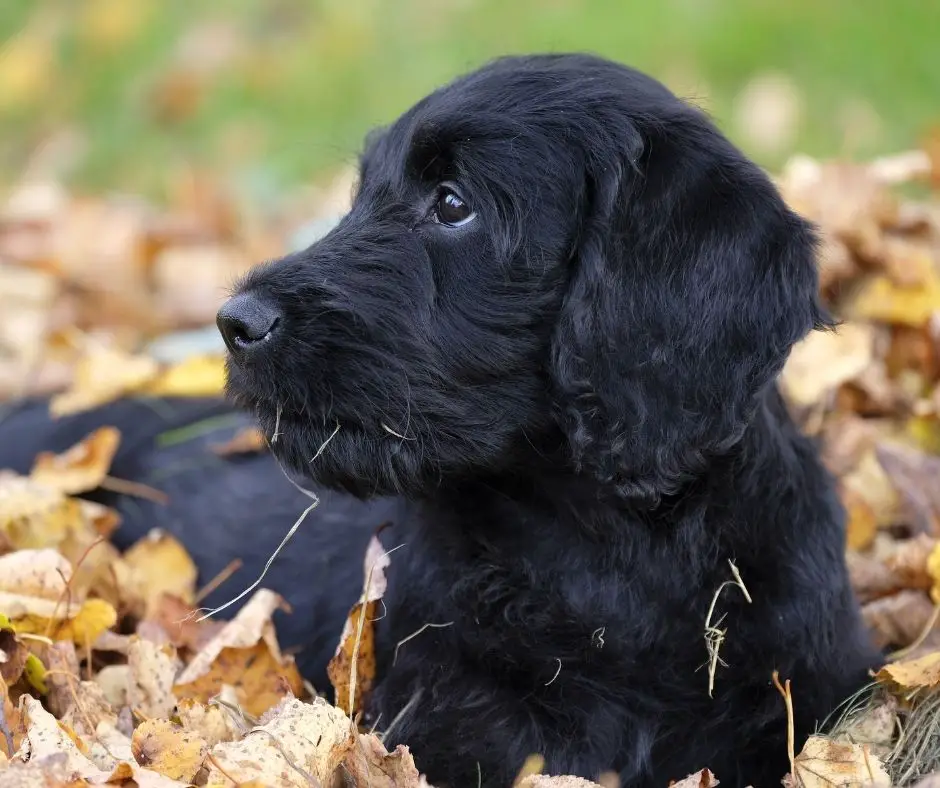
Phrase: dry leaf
[169,749]
[88,709]
[197,376]
[13,656]
[897,620]
[153,669]
[211,723]
[880,299]
[82,467]
[861,522]
[114,681]
[180,622]
[357,643]
[824,360]
[245,655]
[103,376]
[912,674]
[154,565]
[546,781]
[297,744]
[824,763]
[371,764]
[701,779]
[914,475]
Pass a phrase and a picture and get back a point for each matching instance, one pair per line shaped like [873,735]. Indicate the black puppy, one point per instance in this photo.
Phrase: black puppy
[548,331]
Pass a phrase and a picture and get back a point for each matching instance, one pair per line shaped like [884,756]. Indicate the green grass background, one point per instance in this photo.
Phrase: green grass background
[310,77]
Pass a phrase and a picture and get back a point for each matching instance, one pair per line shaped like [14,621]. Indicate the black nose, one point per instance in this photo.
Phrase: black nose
[246,320]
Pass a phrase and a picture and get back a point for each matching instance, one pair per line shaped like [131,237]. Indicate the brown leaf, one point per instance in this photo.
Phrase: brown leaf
[297,744]
[701,779]
[912,674]
[89,708]
[82,467]
[915,476]
[565,781]
[824,763]
[909,560]
[897,620]
[357,643]
[245,655]
[179,621]
[13,655]
[371,764]
[169,749]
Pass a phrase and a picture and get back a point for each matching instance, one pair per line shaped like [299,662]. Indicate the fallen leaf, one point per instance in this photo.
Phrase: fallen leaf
[897,620]
[197,376]
[356,647]
[169,749]
[244,655]
[371,764]
[914,476]
[13,655]
[180,623]
[700,779]
[881,299]
[88,709]
[912,674]
[861,523]
[11,728]
[114,681]
[155,565]
[82,467]
[153,669]
[547,781]
[824,360]
[933,569]
[297,744]
[876,725]
[211,723]
[102,376]
[824,763]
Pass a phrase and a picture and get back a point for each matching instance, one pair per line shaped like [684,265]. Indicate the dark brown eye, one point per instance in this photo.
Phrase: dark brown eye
[451,208]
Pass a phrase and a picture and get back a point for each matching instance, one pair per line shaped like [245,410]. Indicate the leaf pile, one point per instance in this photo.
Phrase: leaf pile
[108,675]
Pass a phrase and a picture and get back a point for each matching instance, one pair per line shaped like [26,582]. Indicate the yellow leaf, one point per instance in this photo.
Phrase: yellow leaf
[879,298]
[244,654]
[168,749]
[197,376]
[82,467]
[933,569]
[210,722]
[111,23]
[861,522]
[155,565]
[94,617]
[824,360]
[912,674]
[825,763]
[35,673]
[102,376]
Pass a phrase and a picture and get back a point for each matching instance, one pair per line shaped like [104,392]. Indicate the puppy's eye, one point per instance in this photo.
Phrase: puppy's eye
[451,209]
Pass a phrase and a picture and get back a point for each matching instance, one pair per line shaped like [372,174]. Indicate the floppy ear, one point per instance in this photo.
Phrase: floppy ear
[691,282]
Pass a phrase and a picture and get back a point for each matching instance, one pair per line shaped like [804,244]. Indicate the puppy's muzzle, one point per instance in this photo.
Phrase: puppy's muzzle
[248,322]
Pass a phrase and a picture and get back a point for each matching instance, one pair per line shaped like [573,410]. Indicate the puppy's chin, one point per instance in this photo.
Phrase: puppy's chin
[344,456]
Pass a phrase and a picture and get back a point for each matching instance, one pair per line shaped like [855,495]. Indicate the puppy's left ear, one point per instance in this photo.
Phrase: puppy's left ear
[691,281]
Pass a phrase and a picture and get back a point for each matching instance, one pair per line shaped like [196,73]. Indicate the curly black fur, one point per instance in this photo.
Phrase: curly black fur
[569,401]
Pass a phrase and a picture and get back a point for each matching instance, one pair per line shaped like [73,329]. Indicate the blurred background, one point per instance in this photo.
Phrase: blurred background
[120,94]
[153,150]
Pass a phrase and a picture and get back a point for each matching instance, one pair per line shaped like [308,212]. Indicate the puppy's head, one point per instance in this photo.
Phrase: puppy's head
[552,257]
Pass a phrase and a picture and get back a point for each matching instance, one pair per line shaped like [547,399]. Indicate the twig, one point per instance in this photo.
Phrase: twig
[791,734]
[714,635]
[415,634]
[221,577]
[135,489]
